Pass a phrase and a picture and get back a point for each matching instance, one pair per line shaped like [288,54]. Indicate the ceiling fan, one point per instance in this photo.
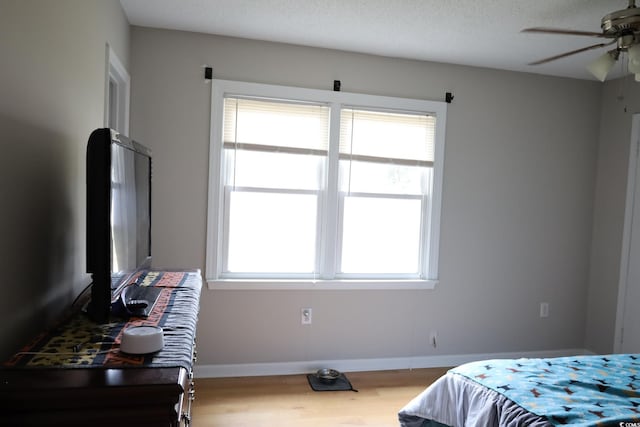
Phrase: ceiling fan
[621,27]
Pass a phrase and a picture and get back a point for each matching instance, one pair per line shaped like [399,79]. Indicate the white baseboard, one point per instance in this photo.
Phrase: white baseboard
[356,365]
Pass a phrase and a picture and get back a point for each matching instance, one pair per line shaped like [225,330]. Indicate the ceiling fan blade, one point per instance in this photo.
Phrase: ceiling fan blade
[561,31]
[573,52]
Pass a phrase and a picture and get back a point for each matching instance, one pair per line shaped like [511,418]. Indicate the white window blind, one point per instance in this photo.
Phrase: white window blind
[389,137]
[271,125]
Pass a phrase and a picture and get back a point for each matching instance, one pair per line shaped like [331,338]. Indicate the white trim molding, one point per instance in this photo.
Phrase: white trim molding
[117,73]
[322,285]
[361,365]
[634,148]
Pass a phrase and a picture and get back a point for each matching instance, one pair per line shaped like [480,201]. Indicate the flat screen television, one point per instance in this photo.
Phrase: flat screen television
[118,216]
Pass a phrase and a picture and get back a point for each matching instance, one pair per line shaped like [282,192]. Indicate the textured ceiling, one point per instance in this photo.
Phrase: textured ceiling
[484,33]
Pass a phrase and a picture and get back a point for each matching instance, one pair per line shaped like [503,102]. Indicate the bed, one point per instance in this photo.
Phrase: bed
[576,391]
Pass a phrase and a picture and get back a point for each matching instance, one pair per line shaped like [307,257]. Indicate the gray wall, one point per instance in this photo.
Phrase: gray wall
[523,192]
[519,185]
[52,82]
[620,99]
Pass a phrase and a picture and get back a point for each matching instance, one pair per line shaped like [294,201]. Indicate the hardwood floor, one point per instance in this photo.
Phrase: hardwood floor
[287,401]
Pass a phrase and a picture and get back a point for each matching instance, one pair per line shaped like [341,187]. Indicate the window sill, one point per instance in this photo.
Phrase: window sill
[329,285]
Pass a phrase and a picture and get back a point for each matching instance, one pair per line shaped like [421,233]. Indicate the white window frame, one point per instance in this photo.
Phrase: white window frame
[216,224]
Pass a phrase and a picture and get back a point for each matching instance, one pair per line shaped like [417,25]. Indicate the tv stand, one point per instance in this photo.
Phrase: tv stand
[43,385]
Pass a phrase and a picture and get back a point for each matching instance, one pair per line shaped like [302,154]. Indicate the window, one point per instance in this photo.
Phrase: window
[274,158]
[317,188]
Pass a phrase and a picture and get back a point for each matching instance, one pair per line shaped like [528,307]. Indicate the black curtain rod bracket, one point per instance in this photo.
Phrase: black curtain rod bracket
[448,97]
[208,73]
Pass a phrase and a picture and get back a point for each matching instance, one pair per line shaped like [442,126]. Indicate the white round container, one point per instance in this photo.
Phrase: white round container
[142,340]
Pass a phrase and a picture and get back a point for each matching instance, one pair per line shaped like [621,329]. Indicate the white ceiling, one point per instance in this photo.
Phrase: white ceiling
[484,33]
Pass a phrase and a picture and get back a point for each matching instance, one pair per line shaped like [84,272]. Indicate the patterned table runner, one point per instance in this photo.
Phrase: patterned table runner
[80,343]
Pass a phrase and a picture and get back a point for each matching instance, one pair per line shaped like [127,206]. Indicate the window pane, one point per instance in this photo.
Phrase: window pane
[261,169]
[272,232]
[381,235]
[381,178]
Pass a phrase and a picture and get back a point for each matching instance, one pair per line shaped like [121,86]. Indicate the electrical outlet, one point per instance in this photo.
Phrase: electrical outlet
[306,316]
[544,309]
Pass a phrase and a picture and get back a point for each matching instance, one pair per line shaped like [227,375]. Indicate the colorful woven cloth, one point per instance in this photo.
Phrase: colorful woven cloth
[78,342]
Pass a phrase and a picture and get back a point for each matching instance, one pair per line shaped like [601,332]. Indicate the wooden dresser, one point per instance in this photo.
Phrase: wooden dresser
[75,375]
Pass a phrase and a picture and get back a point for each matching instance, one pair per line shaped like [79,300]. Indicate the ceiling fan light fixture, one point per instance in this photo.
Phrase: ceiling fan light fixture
[603,64]
[621,27]
[634,59]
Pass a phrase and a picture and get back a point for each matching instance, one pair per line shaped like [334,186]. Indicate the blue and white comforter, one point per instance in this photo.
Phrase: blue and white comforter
[576,391]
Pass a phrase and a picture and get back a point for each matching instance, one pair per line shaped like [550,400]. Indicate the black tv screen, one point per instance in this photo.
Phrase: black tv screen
[118,216]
